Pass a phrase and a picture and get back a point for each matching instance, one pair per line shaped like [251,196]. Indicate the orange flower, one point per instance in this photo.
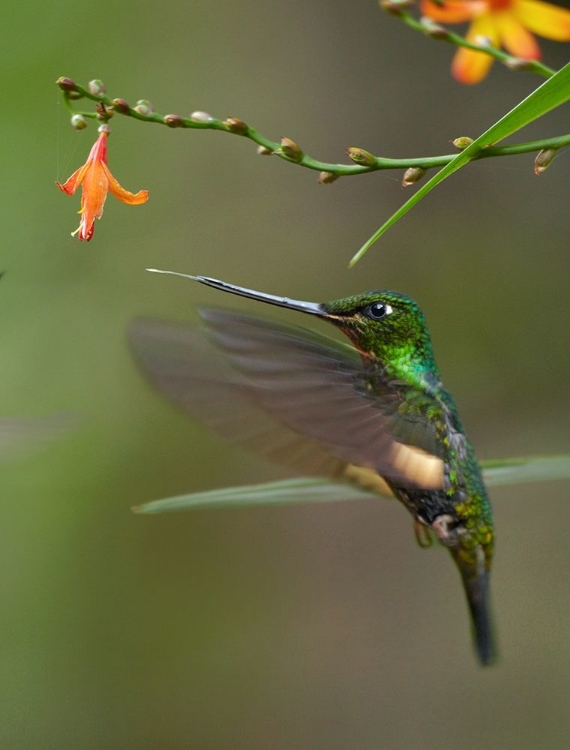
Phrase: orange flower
[96,180]
[506,23]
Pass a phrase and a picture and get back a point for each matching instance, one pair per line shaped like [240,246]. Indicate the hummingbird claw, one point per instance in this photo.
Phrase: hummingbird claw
[443,527]
[423,535]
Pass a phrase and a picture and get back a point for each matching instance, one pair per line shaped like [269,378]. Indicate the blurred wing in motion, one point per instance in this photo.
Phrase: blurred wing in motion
[188,369]
[293,396]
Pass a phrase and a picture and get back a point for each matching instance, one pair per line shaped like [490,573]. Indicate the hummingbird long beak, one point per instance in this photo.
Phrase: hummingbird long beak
[292,304]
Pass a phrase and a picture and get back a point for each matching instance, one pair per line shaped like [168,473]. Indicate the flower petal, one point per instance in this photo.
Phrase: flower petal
[131,199]
[471,67]
[544,19]
[452,11]
[515,38]
[71,185]
[84,231]
[95,189]
[99,149]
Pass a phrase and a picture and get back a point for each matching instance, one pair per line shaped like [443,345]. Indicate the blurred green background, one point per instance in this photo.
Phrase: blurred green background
[291,628]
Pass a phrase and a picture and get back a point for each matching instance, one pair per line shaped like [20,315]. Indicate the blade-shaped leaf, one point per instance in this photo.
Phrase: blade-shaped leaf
[287,492]
[552,93]
[303,491]
[523,470]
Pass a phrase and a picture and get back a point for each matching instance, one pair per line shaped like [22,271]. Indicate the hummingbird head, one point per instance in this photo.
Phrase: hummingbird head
[382,324]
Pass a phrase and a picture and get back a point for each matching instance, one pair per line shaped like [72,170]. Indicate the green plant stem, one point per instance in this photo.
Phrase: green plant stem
[340,170]
[515,63]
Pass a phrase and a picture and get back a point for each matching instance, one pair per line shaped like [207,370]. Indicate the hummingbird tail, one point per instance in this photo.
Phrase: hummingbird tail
[476,585]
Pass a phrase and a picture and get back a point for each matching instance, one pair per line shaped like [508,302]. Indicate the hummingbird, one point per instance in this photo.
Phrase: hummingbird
[373,412]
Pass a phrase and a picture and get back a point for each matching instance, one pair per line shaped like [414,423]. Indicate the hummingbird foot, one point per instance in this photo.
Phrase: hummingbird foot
[444,528]
[423,534]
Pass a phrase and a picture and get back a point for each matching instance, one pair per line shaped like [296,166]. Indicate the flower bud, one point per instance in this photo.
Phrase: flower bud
[481,40]
[173,121]
[201,117]
[462,142]
[78,122]
[143,107]
[96,87]
[433,29]
[66,84]
[121,106]
[262,151]
[543,160]
[234,125]
[290,149]
[395,7]
[325,178]
[103,113]
[362,157]
[518,63]
[413,174]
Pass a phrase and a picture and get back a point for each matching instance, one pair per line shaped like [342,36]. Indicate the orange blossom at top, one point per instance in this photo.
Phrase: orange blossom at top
[507,23]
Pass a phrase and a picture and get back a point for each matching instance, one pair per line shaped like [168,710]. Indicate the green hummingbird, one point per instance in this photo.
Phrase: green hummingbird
[374,413]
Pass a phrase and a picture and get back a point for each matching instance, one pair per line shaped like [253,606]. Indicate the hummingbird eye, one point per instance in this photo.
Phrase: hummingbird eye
[377,310]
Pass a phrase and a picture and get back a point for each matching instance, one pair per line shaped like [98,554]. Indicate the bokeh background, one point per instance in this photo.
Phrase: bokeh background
[289,628]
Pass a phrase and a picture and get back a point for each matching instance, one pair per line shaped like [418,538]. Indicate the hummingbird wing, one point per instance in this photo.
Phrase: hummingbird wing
[277,386]
[188,369]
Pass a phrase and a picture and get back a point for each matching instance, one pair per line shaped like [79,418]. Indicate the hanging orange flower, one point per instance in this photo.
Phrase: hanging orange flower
[96,180]
[507,23]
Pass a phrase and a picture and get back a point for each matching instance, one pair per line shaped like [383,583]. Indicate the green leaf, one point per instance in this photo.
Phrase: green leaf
[523,470]
[287,492]
[551,94]
[303,491]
